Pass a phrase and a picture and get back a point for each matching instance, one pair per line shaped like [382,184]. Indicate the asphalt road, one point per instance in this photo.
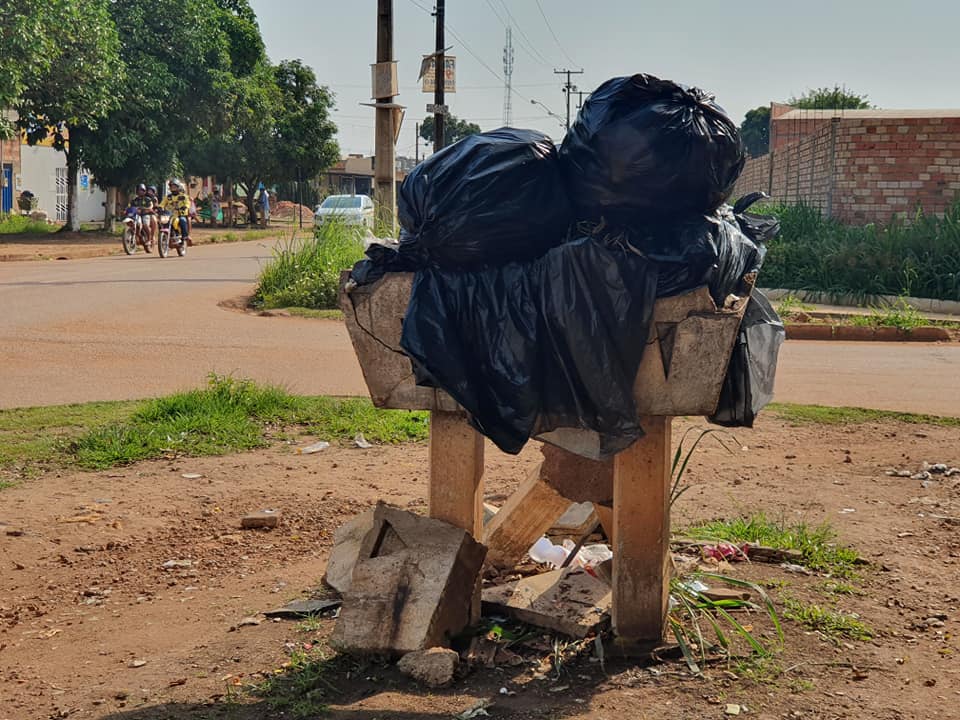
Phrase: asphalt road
[132,327]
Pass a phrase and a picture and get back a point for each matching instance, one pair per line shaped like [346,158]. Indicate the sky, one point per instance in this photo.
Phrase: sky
[745,52]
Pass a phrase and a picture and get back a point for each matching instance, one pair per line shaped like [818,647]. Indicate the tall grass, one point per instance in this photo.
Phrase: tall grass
[22,225]
[919,258]
[306,273]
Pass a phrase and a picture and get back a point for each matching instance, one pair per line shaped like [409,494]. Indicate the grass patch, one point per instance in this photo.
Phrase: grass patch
[900,315]
[816,544]
[315,314]
[307,273]
[228,415]
[790,305]
[232,237]
[304,685]
[834,625]
[839,588]
[22,225]
[919,257]
[850,416]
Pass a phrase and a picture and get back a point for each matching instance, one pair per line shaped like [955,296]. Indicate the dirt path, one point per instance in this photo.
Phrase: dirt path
[80,601]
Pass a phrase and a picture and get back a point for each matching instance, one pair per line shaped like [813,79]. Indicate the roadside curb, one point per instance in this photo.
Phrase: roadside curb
[855,333]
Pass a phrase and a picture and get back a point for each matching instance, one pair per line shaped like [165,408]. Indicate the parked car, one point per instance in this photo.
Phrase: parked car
[348,209]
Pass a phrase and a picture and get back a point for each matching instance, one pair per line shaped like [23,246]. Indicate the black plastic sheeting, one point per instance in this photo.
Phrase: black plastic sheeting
[555,342]
[642,147]
[748,384]
[487,200]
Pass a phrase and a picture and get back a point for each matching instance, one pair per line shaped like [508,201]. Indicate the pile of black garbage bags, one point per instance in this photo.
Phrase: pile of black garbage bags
[537,269]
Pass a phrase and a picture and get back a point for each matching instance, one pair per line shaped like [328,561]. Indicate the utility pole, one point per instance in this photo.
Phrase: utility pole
[384,162]
[439,79]
[416,143]
[568,87]
[508,79]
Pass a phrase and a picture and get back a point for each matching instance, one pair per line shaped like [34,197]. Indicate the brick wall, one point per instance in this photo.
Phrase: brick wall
[864,170]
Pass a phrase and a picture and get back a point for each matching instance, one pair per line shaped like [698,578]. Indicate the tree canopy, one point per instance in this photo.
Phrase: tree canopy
[454,129]
[755,131]
[830,98]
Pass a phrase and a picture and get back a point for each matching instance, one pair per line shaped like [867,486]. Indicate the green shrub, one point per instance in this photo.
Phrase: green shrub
[920,258]
[22,225]
[307,273]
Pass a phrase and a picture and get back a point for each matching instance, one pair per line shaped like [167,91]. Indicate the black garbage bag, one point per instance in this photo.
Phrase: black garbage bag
[381,259]
[643,147]
[487,200]
[748,384]
[530,347]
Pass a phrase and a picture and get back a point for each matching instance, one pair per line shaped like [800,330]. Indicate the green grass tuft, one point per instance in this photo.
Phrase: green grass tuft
[832,624]
[315,314]
[307,273]
[816,544]
[851,416]
[22,225]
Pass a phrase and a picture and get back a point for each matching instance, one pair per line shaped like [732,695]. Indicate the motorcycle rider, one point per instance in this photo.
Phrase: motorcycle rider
[146,209]
[177,203]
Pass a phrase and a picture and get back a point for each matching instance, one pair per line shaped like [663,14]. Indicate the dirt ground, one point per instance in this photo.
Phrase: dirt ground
[84,594]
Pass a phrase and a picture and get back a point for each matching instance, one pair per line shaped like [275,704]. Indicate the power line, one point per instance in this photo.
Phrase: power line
[555,39]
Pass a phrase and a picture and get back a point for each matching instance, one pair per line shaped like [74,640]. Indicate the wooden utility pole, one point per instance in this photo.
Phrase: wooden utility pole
[384,163]
[440,79]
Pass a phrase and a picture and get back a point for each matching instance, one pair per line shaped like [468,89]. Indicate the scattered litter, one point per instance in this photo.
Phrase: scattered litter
[589,556]
[361,442]
[47,634]
[248,622]
[900,473]
[301,608]
[504,691]
[314,448]
[793,568]
[478,710]
[905,534]
[192,476]
[177,564]
[731,709]
[137,663]
[559,688]
[924,475]
[847,511]
[725,551]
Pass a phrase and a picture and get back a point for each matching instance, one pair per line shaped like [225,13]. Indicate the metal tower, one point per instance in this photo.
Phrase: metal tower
[508,80]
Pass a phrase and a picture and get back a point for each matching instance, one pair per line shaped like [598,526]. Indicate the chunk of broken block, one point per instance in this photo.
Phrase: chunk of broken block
[434,667]
[260,519]
[571,602]
[346,549]
[412,586]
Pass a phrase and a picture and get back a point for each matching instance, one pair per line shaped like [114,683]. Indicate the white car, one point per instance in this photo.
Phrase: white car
[349,209]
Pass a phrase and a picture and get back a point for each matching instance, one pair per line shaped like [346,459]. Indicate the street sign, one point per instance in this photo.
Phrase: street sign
[428,71]
[438,109]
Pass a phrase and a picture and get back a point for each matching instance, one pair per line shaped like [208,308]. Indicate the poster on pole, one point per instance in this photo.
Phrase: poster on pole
[429,78]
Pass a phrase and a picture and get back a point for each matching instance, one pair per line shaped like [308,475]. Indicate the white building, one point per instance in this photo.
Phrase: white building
[43,171]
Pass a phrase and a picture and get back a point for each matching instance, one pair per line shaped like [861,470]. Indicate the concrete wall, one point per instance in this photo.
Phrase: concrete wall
[39,175]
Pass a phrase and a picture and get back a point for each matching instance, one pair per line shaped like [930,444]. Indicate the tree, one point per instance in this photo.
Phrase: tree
[67,97]
[279,129]
[835,98]
[755,131]
[25,44]
[454,129]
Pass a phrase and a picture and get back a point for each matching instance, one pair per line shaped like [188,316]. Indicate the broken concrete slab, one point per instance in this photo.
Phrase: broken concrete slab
[577,520]
[571,602]
[412,586]
[260,519]
[577,478]
[346,550]
[434,667]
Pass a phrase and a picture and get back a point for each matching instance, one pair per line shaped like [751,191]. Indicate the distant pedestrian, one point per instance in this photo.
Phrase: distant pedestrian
[264,205]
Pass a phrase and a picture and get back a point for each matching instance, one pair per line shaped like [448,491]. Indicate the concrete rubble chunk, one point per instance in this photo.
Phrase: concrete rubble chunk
[434,667]
[260,519]
[412,586]
[578,520]
[571,602]
[346,549]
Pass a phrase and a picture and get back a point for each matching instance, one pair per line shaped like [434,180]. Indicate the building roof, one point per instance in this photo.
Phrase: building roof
[871,114]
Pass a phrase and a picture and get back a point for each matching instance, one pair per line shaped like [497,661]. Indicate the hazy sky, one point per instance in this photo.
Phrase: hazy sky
[746,52]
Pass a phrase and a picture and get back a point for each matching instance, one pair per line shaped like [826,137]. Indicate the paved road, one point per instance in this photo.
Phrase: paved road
[131,327]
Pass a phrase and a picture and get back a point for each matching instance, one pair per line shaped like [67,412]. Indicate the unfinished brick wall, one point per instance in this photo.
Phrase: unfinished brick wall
[864,170]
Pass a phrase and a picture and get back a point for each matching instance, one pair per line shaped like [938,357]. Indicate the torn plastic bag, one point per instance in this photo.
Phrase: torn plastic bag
[643,147]
[380,259]
[748,384]
[487,200]
[530,347]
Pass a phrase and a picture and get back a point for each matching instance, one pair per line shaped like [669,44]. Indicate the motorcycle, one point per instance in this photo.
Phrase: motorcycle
[170,235]
[134,231]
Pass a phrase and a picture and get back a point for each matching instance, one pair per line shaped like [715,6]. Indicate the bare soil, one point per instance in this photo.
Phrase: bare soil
[84,594]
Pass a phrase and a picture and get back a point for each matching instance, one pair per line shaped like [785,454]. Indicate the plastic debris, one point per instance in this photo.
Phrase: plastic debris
[314,448]
[361,442]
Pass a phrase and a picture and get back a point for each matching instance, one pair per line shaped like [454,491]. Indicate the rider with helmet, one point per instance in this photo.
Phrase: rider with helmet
[177,203]
[145,206]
